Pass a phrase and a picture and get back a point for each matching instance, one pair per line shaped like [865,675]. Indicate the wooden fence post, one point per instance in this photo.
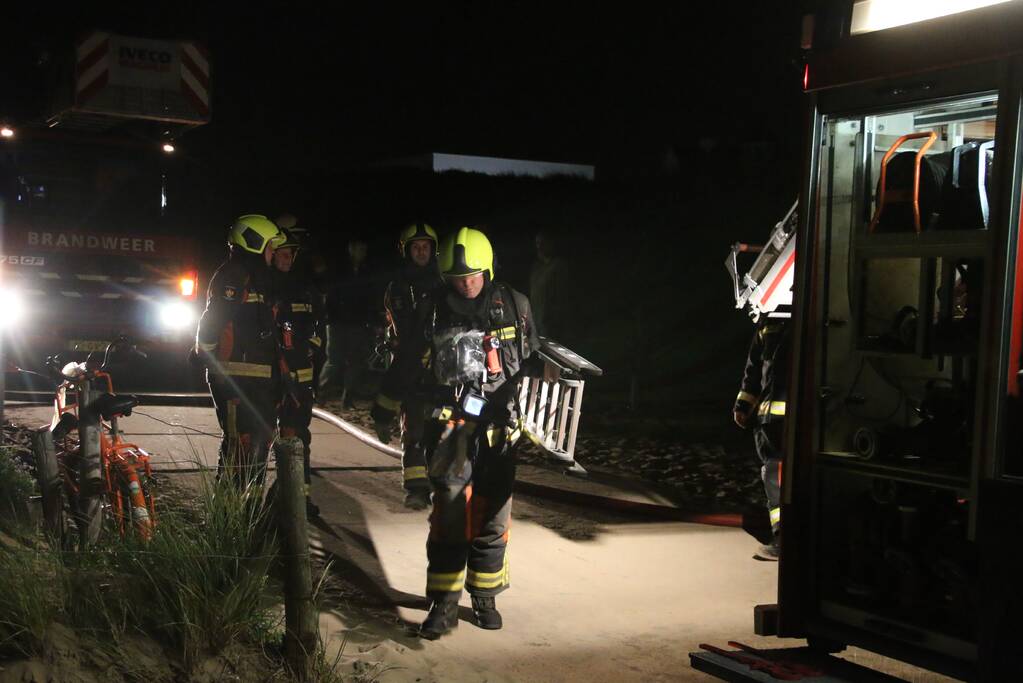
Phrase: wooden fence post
[301,621]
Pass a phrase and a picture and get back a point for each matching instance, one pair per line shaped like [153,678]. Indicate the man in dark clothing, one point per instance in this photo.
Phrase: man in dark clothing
[236,341]
[352,313]
[299,319]
[761,405]
[478,336]
[404,304]
[548,289]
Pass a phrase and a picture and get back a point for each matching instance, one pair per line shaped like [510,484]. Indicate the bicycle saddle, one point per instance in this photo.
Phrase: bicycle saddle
[110,405]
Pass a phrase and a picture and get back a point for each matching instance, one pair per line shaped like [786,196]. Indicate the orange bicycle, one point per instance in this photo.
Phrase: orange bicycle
[88,475]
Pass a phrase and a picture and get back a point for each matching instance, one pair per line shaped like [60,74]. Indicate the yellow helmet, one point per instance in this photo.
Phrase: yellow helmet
[253,233]
[416,231]
[467,252]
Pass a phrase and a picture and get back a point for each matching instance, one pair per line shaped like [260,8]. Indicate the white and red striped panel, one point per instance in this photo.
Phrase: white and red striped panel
[92,66]
[93,63]
[195,77]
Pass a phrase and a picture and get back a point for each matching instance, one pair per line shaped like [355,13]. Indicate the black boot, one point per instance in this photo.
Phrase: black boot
[485,609]
[442,619]
[417,499]
[769,552]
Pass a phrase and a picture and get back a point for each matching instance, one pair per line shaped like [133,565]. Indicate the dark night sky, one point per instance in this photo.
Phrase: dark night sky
[299,87]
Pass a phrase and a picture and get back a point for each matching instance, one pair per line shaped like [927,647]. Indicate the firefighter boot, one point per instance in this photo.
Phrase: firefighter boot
[442,619]
[769,552]
[417,499]
[485,609]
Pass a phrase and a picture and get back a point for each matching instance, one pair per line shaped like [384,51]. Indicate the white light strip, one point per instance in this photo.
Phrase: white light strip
[877,15]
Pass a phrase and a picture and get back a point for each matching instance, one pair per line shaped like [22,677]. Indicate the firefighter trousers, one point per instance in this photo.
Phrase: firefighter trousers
[413,458]
[247,411]
[768,438]
[295,415]
[472,471]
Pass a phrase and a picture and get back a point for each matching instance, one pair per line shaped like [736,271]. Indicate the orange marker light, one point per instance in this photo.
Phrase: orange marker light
[187,286]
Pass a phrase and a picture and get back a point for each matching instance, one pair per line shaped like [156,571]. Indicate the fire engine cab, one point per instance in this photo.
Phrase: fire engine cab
[90,247]
[903,475]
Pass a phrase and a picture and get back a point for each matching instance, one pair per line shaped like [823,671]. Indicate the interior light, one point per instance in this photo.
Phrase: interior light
[7,132]
[168,147]
[877,15]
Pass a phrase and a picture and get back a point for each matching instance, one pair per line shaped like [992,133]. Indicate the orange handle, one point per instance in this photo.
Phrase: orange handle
[931,138]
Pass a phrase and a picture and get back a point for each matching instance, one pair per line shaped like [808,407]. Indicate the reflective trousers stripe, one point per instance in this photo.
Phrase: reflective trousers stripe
[303,375]
[747,397]
[776,408]
[246,369]
[411,473]
[452,582]
[775,516]
[209,348]
[302,308]
[388,403]
[489,579]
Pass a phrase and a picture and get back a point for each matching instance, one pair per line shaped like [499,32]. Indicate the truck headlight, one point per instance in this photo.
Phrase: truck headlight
[12,307]
[176,315]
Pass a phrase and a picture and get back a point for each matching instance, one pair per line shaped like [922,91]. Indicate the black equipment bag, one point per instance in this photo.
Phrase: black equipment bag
[897,213]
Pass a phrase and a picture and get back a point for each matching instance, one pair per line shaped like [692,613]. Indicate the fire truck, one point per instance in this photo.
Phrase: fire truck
[91,248]
[903,474]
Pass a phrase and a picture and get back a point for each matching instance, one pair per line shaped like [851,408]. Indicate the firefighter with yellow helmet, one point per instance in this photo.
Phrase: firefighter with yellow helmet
[237,342]
[477,337]
[406,301]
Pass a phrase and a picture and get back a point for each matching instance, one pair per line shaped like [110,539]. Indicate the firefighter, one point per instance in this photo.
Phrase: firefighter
[761,405]
[405,303]
[237,342]
[312,265]
[299,321]
[478,335]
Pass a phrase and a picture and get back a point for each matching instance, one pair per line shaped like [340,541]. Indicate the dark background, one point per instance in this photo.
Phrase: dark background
[692,117]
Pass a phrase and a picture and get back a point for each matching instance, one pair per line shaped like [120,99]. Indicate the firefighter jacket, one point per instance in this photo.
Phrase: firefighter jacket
[500,315]
[237,334]
[299,314]
[408,300]
[405,294]
[764,383]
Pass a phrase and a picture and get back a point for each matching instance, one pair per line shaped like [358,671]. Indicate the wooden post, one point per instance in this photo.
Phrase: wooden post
[91,482]
[301,621]
[50,484]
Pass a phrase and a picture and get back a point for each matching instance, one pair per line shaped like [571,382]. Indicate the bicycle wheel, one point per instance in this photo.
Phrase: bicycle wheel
[131,498]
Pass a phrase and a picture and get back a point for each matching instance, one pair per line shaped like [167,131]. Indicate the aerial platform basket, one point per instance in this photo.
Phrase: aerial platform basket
[551,401]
